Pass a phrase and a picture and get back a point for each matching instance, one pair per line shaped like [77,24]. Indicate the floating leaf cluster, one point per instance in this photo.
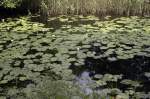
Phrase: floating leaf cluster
[30,52]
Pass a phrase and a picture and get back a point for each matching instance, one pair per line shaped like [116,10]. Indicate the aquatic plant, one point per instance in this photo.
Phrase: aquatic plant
[30,53]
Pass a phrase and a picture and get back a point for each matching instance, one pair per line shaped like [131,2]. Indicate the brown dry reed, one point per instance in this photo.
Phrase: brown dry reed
[96,7]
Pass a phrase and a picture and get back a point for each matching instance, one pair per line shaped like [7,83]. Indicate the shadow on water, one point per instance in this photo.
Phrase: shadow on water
[12,12]
[57,24]
[132,69]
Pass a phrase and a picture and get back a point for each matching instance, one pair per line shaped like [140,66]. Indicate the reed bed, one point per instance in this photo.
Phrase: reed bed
[96,7]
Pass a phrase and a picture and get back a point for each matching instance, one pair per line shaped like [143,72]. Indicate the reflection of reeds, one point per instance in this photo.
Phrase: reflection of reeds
[99,7]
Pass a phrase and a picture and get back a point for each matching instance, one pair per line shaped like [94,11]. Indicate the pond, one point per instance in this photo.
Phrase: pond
[109,57]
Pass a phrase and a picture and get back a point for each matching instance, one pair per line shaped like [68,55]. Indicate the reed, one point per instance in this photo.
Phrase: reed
[97,7]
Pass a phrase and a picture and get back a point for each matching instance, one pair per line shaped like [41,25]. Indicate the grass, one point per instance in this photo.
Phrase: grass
[97,7]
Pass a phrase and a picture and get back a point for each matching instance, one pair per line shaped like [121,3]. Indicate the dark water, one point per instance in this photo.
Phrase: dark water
[133,69]
[12,12]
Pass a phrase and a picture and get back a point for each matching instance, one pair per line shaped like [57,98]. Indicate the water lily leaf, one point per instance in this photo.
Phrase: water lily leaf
[63,19]
[3,97]
[3,81]
[22,78]
[111,59]
[98,76]
[114,92]
[110,77]
[122,96]
[17,63]
[147,74]
[130,82]
[101,83]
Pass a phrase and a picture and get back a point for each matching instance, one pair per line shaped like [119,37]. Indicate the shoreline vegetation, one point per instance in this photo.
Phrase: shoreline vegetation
[80,7]
[96,7]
